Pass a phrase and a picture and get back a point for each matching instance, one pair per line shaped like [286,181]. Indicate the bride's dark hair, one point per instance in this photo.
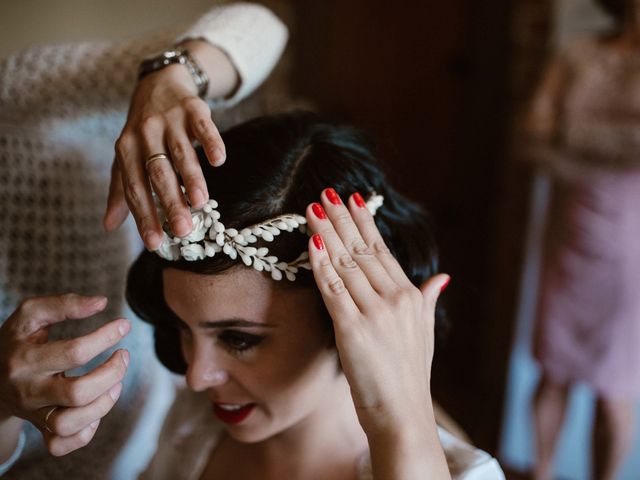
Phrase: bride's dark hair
[280,164]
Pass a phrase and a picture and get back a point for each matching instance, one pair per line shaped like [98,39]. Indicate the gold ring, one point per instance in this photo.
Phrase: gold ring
[46,419]
[154,157]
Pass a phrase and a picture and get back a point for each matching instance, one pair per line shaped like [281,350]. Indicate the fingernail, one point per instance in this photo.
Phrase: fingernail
[218,157]
[125,357]
[94,425]
[97,301]
[359,200]
[151,240]
[445,284]
[333,196]
[114,393]
[124,327]
[318,211]
[317,241]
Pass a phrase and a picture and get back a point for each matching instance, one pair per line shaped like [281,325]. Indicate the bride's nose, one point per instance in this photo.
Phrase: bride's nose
[204,370]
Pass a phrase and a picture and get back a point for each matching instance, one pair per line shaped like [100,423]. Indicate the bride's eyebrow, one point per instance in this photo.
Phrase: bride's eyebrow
[234,322]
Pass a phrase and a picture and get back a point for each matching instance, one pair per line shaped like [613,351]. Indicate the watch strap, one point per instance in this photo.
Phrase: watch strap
[176,56]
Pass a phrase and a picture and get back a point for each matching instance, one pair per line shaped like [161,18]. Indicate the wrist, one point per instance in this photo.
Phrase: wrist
[224,79]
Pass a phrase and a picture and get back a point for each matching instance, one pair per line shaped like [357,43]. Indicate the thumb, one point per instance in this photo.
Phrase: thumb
[117,209]
[433,287]
[40,312]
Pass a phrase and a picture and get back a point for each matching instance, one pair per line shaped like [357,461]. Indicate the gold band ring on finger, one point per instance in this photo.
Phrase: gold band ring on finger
[154,157]
[46,419]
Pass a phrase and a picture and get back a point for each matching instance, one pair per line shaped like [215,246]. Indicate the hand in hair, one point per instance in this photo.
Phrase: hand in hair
[384,334]
[166,116]
[33,386]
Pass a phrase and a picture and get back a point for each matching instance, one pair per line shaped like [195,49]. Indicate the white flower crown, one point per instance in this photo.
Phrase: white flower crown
[209,236]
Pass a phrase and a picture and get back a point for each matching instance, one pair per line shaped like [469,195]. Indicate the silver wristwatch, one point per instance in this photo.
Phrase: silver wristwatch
[181,56]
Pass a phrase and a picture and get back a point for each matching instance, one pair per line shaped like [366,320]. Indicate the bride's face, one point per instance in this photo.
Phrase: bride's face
[262,353]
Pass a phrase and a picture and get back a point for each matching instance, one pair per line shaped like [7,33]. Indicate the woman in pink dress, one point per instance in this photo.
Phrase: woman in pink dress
[586,123]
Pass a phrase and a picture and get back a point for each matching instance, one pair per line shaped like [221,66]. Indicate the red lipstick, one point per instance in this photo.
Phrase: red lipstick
[235,416]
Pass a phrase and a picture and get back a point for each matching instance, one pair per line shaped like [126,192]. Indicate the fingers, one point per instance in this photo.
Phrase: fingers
[371,235]
[117,209]
[165,183]
[65,422]
[204,130]
[186,161]
[137,191]
[341,261]
[36,313]
[64,355]
[336,297]
[346,223]
[59,446]
[82,390]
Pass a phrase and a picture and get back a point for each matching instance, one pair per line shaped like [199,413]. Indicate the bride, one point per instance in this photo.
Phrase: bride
[301,312]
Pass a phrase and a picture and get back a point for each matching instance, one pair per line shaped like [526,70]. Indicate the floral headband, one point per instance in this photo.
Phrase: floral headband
[209,236]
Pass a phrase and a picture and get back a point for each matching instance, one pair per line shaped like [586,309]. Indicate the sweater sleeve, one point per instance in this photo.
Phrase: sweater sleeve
[75,79]
[252,37]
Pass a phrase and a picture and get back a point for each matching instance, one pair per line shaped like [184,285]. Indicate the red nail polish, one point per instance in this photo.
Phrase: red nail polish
[333,196]
[317,241]
[359,200]
[445,285]
[318,211]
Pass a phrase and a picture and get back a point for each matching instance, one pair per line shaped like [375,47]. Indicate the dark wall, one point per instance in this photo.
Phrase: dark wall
[429,79]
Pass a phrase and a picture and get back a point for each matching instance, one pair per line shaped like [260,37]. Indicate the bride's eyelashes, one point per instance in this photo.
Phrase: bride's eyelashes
[240,341]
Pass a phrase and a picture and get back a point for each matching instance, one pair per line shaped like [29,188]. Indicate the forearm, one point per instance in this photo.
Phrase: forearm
[10,428]
[409,450]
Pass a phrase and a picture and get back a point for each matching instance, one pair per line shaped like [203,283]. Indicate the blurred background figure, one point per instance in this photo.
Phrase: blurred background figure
[586,119]
[583,130]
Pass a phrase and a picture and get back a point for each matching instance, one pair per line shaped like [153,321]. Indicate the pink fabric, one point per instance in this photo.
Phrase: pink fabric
[589,317]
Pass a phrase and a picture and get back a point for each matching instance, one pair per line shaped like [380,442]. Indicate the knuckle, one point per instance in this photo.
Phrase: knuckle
[85,436]
[192,179]
[403,298]
[28,306]
[174,209]
[54,446]
[358,247]
[75,353]
[60,425]
[133,192]
[159,174]
[75,395]
[380,248]
[179,150]
[69,298]
[149,125]
[325,262]
[346,262]
[192,104]
[123,146]
[336,286]
[343,218]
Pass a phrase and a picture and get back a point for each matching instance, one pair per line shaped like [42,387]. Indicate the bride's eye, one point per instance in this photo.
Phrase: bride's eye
[240,341]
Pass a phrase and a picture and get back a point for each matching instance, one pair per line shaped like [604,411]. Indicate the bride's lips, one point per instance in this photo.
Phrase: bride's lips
[232,414]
